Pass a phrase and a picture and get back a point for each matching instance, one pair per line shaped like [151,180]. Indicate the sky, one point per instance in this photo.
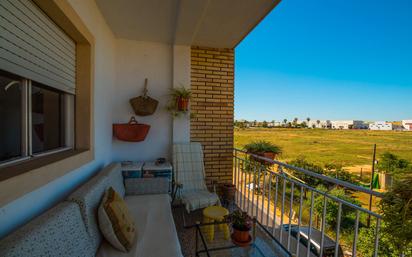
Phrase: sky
[327,59]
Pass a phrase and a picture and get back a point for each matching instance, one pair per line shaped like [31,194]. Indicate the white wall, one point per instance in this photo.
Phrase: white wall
[22,210]
[120,69]
[136,61]
[181,78]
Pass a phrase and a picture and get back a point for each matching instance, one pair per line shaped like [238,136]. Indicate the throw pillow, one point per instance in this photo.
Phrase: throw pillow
[115,221]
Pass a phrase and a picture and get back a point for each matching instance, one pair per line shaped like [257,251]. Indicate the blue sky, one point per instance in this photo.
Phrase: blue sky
[327,59]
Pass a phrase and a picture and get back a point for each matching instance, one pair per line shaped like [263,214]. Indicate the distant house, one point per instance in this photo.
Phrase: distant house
[380,125]
[407,124]
[325,124]
[348,124]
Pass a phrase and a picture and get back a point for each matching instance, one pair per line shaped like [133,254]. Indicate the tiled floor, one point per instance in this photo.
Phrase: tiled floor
[186,235]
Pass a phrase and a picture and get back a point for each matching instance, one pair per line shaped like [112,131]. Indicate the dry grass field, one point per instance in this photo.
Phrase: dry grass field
[350,148]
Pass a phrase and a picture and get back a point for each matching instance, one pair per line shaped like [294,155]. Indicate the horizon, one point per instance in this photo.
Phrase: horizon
[354,66]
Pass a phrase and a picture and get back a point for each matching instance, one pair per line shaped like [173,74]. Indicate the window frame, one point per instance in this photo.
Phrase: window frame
[26,146]
[22,178]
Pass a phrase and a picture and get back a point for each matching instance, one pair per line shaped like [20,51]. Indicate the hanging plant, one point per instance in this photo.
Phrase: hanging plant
[179,102]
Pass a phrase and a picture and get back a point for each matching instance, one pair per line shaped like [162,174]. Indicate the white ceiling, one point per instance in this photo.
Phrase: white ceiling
[213,23]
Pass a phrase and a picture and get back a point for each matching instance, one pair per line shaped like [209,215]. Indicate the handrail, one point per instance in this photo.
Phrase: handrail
[264,208]
[316,175]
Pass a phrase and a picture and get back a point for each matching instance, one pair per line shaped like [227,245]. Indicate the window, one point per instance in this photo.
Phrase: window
[10,117]
[35,119]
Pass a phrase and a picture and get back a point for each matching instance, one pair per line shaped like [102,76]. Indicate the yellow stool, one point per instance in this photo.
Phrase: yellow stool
[212,214]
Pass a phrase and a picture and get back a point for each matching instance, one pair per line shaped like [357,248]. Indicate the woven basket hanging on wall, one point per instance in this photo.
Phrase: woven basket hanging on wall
[144,105]
[132,131]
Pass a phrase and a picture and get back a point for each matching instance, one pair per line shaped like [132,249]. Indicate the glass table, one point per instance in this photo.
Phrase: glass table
[263,244]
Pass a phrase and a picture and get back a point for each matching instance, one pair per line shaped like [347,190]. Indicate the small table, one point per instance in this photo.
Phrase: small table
[263,244]
[213,214]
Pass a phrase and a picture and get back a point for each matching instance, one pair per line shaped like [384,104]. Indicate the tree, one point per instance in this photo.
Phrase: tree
[332,207]
[265,124]
[392,164]
[295,122]
[318,122]
[308,119]
[396,207]
[301,162]
[395,238]
[285,121]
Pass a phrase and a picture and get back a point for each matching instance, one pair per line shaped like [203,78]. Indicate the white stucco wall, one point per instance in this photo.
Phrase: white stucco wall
[25,208]
[181,78]
[120,69]
[136,61]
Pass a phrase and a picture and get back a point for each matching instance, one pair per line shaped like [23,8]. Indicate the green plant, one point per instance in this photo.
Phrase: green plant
[262,146]
[240,220]
[332,207]
[301,162]
[395,238]
[175,95]
[181,92]
[396,207]
[391,164]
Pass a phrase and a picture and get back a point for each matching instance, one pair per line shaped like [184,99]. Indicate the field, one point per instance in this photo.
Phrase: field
[350,148]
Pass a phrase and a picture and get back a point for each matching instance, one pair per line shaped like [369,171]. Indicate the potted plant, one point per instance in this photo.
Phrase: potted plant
[263,148]
[241,224]
[181,97]
[229,191]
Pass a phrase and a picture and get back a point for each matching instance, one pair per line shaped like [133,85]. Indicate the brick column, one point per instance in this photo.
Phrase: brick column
[212,85]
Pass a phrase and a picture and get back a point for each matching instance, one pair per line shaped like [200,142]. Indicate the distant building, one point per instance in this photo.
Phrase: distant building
[348,124]
[380,125]
[407,124]
[324,124]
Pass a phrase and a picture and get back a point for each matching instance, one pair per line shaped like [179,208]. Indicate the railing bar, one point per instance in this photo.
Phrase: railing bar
[322,238]
[282,210]
[338,230]
[312,197]
[234,166]
[317,175]
[292,188]
[376,248]
[256,185]
[253,190]
[269,196]
[249,207]
[237,178]
[263,195]
[336,199]
[299,220]
[275,204]
[244,186]
[355,236]
[239,185]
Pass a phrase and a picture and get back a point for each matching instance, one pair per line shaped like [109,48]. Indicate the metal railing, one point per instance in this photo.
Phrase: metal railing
[268,190]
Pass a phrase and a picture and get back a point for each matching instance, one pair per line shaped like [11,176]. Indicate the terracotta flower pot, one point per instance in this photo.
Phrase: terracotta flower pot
[182,104]
[240,236]
[269,155]
[229,191]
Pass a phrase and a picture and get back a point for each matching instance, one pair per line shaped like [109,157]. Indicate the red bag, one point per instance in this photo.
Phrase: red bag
[131,132]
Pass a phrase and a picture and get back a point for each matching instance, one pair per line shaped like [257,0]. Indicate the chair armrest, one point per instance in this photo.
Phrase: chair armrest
[143,186]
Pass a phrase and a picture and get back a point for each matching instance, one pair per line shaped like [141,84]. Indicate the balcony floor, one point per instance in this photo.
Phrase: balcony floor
[186,235]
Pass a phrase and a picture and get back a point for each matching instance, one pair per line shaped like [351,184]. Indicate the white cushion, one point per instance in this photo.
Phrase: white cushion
[199,199]
[156,236]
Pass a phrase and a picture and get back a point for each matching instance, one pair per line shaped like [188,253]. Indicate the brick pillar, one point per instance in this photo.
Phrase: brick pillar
[212,85]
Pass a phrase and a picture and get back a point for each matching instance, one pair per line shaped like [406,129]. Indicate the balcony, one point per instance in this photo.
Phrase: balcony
[303,213]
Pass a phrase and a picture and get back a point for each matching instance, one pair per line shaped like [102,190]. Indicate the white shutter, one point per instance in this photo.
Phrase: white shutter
[34,47]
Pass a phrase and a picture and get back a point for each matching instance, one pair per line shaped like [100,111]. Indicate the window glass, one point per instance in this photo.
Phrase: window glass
[47,118]
[10,116]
